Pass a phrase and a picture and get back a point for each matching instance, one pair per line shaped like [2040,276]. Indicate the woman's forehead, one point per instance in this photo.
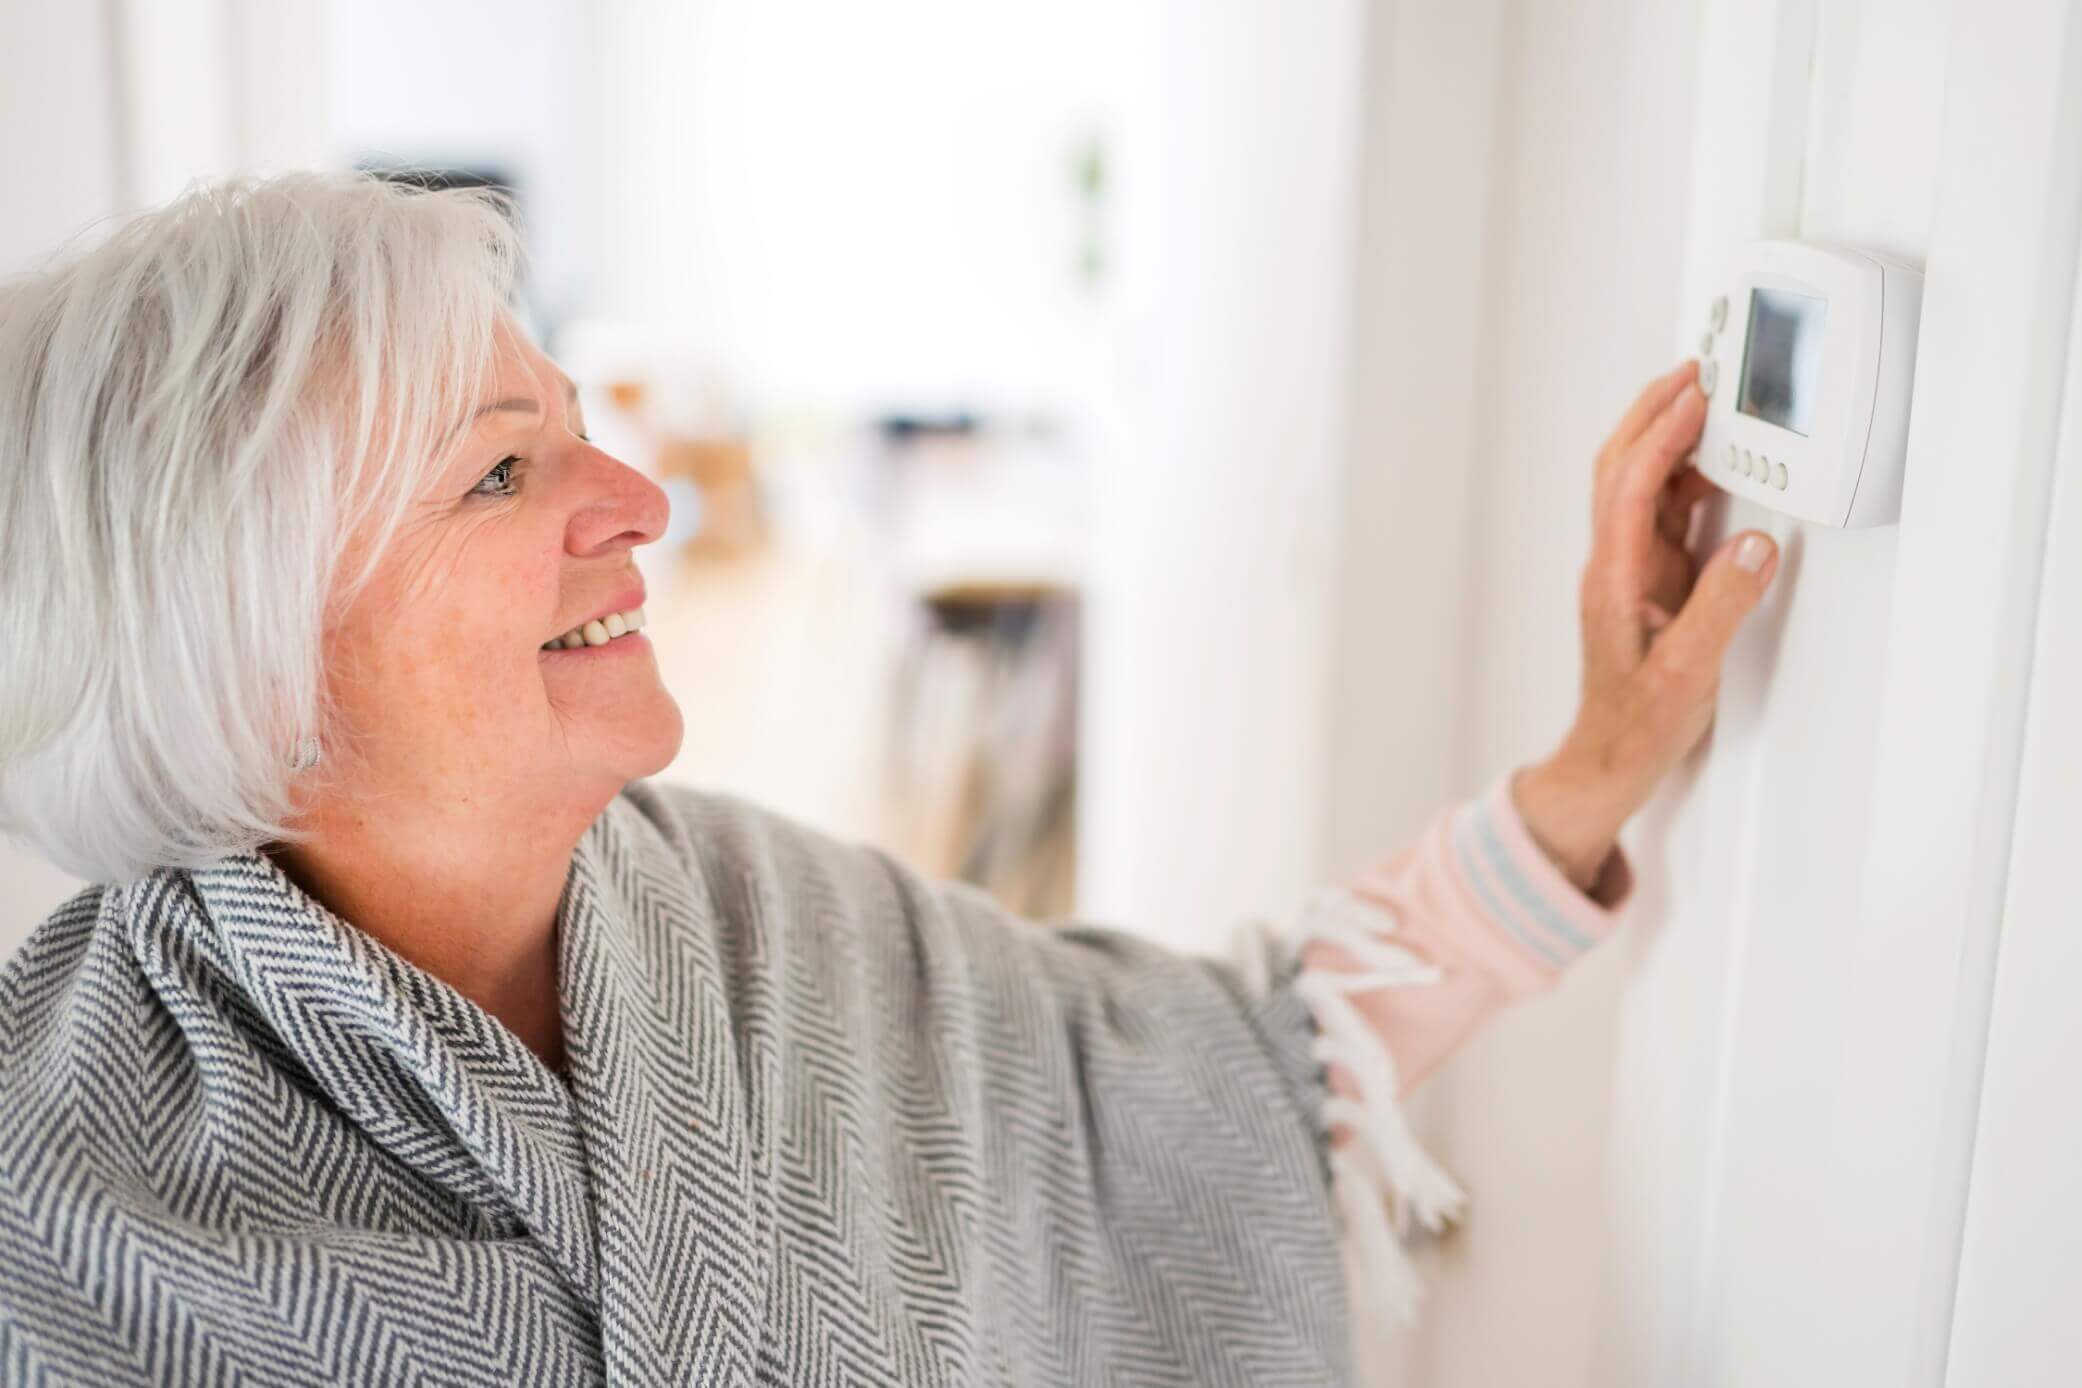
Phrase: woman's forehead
[519,367]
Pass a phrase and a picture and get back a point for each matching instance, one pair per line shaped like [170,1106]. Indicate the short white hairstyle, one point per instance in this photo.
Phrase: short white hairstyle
[196,416]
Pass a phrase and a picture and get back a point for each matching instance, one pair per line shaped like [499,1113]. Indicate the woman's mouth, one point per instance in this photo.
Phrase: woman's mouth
[599,632]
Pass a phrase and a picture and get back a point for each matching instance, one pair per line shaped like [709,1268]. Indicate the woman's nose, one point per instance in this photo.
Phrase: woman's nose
[619,506]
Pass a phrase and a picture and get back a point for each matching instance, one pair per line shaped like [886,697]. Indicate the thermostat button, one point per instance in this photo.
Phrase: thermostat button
[1734,458]
[1706,345]
[1749,464]
[1708,372]
[1779,476]
[1720,313]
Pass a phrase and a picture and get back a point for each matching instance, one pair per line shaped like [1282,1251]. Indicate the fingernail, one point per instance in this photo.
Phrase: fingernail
[1751,553]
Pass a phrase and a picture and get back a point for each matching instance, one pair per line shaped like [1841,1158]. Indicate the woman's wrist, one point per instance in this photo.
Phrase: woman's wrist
[1573,814]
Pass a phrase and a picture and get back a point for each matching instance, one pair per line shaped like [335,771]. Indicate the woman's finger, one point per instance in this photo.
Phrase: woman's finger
[1654,456]
[1654,398]
[1671,576]
[1680,499]
[1638,487]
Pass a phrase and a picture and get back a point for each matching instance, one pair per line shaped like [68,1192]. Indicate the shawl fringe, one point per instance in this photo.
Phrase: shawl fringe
[1383,1184]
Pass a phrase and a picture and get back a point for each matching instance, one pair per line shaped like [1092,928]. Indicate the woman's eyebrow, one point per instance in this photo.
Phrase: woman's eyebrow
[527,404]
[518,404]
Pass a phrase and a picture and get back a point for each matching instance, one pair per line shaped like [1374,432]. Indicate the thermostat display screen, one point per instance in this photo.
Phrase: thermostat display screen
[1782,360]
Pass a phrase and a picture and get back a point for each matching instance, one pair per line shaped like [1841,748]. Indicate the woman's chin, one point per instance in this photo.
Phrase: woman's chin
[632,732]
[648,739]
[668,744]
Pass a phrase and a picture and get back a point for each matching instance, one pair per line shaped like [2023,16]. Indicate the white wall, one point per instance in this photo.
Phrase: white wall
[1410,518]
[57,78]
[1204,750]
[1582,233]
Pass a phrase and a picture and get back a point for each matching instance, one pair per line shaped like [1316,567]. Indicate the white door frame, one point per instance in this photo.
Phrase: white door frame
[2020,1258]
[1894,1166]
[1996,317]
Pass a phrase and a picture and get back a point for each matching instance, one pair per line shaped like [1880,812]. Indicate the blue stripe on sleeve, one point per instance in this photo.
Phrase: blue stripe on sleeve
[1528,896]
[1498,909]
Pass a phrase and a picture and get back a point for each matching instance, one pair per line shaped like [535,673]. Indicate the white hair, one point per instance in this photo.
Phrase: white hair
[196,418]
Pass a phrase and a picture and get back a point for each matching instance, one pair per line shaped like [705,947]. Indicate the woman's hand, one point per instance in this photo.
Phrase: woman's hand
[1655,628]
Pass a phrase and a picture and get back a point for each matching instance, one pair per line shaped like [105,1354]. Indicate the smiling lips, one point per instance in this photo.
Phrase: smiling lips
[599,631]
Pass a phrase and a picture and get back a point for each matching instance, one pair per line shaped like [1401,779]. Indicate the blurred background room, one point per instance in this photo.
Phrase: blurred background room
[1135,455]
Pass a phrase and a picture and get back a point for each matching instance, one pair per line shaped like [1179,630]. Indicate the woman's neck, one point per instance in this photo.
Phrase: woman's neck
[471,900]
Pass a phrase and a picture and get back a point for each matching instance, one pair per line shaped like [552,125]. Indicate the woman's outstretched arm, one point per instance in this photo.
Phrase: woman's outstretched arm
[1500,894]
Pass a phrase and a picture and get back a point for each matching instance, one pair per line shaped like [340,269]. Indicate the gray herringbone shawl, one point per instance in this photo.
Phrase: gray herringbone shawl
[826,1122]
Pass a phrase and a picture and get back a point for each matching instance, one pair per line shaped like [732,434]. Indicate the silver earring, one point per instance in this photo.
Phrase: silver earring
[306,755]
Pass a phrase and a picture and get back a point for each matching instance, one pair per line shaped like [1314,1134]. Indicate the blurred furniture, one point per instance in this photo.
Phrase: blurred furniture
[982,767]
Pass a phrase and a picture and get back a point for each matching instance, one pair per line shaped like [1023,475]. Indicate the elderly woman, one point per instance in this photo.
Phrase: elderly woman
[410,1034]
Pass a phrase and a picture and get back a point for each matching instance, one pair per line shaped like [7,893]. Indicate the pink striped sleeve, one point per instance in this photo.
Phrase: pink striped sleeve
[1399,969]
[1477,897]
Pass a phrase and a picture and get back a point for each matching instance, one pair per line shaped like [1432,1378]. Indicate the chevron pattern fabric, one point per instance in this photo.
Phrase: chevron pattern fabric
[825,1122]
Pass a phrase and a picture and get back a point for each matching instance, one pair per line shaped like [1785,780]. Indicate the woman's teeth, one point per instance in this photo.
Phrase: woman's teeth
[599,631]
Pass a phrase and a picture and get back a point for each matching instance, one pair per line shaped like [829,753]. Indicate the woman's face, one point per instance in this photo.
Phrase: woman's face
[522,531]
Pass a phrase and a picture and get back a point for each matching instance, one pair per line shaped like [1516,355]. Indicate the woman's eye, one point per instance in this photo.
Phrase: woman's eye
[500,476]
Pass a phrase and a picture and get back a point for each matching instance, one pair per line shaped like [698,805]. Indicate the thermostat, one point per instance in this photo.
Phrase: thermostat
[1807,364]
